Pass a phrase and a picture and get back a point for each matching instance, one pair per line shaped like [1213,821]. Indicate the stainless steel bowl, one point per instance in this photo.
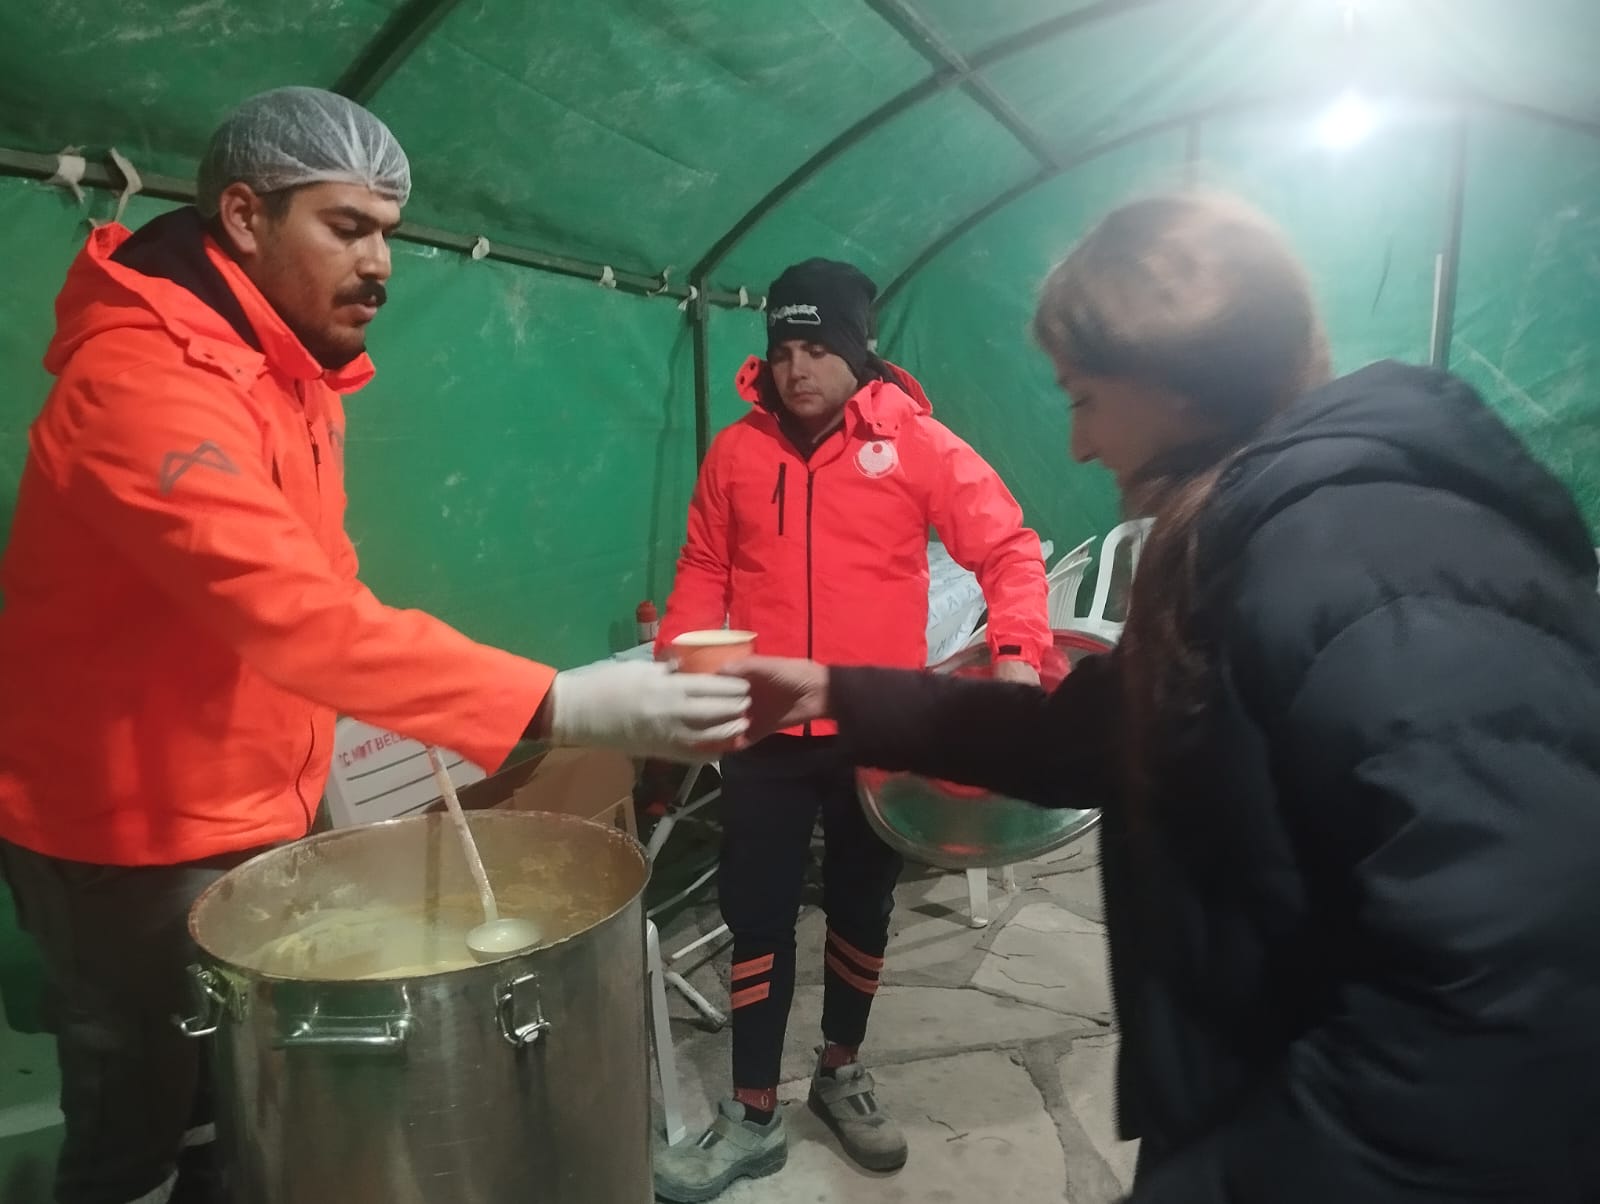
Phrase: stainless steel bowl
[959,827]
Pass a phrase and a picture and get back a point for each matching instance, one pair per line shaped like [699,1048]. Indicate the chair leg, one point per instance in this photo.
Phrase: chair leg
[978,897]
[698,1001]
[1008,879]
[663,829]
[666,1060]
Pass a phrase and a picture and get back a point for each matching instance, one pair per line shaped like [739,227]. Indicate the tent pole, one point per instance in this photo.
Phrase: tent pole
[942,79]
[932,250]
[699,325]
[1449,263]
[32,165]
[406,29]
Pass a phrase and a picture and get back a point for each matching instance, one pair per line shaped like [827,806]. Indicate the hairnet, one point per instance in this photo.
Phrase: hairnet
[293,136]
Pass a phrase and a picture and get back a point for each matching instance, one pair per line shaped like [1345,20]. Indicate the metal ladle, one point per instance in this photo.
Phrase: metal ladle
[495,937]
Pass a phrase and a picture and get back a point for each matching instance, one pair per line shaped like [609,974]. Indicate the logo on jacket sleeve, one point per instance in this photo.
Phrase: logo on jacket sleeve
[207,455]
[877,459]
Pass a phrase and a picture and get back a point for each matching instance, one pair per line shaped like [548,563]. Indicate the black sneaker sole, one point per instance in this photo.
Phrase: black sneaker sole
[862,1158]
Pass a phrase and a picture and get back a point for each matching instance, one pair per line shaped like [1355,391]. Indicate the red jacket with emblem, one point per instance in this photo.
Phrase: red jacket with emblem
[826,557]
[182,617]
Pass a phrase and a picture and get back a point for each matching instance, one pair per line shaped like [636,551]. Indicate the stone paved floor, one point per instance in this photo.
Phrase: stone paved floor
[993,1046]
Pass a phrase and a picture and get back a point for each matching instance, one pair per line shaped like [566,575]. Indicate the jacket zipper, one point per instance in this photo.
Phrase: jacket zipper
[811,612]
[778,494]
[316,453]
[311,815]
[311,751]
[311,434]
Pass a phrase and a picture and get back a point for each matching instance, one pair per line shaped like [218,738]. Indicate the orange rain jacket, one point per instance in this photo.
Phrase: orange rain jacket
[182,620]
[826,556]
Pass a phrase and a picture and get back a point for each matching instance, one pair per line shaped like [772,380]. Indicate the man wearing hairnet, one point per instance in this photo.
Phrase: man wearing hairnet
[183,619]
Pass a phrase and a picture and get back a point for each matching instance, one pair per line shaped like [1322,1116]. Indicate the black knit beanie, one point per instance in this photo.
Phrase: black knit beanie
[827,302]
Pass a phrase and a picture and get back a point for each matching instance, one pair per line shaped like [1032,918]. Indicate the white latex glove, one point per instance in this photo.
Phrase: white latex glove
[650,711]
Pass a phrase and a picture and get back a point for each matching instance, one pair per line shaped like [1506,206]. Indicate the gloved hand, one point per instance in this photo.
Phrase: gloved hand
[649,711]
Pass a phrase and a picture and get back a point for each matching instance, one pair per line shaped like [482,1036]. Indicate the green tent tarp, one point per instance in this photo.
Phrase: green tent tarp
[522,463]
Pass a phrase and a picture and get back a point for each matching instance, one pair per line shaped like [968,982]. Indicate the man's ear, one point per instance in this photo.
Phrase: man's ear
[240,215]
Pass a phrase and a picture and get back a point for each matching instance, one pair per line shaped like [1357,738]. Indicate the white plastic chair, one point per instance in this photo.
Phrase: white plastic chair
[661,1035]
[1064,583]
[978,880]
[1133,534]
[660,966]
[377,775]
[952,633]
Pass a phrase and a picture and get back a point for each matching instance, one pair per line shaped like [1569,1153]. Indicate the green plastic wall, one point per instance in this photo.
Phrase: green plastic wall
[1369,223]
[522,462]
[1527,329]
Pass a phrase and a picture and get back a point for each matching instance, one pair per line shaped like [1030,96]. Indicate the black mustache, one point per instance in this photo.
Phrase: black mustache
[370,293]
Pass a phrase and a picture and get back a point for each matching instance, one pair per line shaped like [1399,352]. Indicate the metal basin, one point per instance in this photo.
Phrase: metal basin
[962,827]
[361,1054]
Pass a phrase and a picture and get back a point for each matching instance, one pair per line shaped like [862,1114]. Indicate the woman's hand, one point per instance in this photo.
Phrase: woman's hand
[1017,672]
[783,692]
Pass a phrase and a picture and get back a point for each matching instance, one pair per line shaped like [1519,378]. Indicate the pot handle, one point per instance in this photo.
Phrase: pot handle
[520,1036]
[331,1032]
[210,991]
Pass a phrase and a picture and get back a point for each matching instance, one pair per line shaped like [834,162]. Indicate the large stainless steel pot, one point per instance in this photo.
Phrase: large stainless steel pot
[518,1081]
[959,828]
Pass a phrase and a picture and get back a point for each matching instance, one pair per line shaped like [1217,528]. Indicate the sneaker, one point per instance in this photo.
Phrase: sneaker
[733,1148]
[845,1102]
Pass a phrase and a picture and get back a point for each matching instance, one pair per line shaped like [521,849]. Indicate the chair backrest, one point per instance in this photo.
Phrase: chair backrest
[378,775]
[1131,535]
[950,634]
[1064,583]
[1081,550]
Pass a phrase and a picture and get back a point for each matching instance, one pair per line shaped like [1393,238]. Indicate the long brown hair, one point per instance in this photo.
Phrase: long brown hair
[1201,294]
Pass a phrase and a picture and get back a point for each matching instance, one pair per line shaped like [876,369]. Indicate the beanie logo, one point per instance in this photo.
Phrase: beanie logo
[877,459]
[795,315]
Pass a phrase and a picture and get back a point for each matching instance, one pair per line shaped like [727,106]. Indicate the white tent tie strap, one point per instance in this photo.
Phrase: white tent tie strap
[694,295]
[70,166]
[480,248]
[133,186]
[608,278]
[666,283]
[744,297]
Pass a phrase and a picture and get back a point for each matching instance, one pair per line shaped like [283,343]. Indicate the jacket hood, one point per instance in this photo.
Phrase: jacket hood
[1394,423]
[102,294]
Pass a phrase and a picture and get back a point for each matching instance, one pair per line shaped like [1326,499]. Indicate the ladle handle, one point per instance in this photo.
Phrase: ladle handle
[468,846]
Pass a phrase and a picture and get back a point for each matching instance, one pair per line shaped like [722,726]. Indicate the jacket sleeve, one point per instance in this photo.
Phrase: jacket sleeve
[1435,763]
[704,577]
[981,523]
[1056,749]
[166,464]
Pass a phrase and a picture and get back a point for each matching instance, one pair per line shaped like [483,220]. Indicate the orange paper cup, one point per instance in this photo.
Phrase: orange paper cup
[708,651]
